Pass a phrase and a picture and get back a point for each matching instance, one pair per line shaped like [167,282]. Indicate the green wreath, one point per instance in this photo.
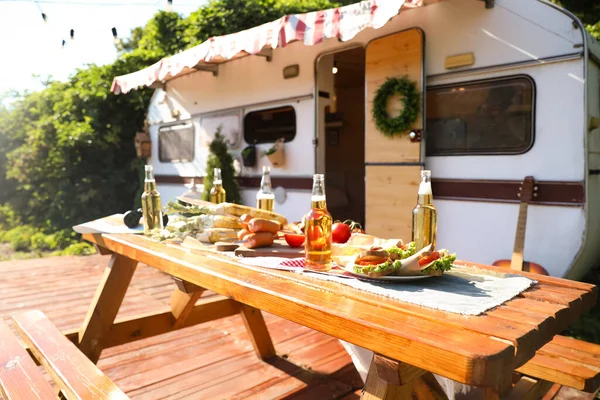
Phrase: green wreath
[401,124]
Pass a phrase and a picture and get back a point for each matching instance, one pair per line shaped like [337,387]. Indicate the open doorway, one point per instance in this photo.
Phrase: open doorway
[341,136]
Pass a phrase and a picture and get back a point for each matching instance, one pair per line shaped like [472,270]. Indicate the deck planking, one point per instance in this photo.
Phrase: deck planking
[212,360]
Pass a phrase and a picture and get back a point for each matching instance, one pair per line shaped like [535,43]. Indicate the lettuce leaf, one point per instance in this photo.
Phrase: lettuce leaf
[410,250]
[441,264]
[379,268]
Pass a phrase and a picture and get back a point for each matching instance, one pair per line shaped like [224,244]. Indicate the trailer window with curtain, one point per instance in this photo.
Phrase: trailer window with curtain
[176,143]
[482,117]
[266,126]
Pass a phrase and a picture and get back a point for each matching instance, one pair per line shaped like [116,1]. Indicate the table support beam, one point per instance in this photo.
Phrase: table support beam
[258,331]
[392,380]
[105,305]
[182,305]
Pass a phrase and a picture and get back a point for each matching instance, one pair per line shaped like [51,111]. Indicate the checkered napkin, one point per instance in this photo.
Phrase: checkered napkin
[286,264]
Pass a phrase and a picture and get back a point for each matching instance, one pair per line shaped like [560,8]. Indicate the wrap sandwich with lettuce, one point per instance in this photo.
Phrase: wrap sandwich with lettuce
[401,261]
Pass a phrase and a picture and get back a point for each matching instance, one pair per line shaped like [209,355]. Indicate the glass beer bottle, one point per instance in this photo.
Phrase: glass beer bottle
[424,219]
[151,207]
[217,193]
[317,225]
[265,199]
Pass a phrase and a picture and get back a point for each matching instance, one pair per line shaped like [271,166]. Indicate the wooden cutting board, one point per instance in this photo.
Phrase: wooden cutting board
[278,249]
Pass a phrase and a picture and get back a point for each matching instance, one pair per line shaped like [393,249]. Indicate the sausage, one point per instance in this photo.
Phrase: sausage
[263,225]
[243,233]
[244,220]
[260,239]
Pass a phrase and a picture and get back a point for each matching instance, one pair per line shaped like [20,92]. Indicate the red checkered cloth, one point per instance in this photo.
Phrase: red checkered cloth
[293,263]
[310,28]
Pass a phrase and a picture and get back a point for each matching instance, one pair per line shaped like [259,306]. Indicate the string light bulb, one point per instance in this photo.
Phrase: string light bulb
[72,34]
[44,17]
[116,39]
[334,70]
[169,5]
[63,43]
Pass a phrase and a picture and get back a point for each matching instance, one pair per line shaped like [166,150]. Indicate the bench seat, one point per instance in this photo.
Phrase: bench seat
[566,361]
[20,378]
[75,375]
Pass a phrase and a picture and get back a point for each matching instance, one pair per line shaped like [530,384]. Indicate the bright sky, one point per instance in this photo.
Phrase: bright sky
[29,46]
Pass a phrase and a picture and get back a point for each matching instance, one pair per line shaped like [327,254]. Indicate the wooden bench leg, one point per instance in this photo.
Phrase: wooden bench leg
[183,300]
[105,305]
[257,329]
[392,380]
[528,389]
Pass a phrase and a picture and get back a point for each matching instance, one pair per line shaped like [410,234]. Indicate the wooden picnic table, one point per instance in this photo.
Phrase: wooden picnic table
[410,342]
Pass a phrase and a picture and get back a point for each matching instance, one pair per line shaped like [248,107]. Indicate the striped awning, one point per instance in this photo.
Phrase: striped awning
[310,28]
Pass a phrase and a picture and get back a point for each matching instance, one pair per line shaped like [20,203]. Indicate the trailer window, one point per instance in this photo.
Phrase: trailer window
[485,117]
[176,143]
[266,126]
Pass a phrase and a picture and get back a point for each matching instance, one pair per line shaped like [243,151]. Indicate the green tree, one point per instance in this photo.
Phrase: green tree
[219,157]
[221,17]
[588,11]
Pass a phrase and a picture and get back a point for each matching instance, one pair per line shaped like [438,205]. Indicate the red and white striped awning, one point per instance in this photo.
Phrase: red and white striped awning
[311,28]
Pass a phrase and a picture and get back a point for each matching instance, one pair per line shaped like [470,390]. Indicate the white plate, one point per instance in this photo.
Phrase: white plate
[348,268]
[397,277]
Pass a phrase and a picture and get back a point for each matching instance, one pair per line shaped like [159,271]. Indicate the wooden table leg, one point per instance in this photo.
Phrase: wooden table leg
[257,329]
[105,305]
[183,300]
[392,380]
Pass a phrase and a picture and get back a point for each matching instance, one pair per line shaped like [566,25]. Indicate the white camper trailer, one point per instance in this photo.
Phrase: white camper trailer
[508,89]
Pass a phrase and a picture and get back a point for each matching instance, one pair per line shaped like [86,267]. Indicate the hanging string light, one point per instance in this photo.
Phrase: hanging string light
[63,43]
[72,34]
[116,39]
[169,5]
[44,17]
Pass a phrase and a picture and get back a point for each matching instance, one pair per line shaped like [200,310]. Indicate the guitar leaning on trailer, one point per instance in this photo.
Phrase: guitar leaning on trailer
[527,192]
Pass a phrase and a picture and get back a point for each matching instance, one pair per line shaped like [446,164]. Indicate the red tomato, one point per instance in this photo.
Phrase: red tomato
[430,258]
[340,232]
[294,240]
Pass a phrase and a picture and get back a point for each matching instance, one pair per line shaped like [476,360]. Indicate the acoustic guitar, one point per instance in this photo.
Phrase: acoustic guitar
[526,192]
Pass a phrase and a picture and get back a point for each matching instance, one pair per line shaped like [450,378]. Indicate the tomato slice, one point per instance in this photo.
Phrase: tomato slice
[430,258]
[369,262]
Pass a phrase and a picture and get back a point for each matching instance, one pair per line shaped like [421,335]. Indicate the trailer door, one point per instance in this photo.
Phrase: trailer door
[392,165]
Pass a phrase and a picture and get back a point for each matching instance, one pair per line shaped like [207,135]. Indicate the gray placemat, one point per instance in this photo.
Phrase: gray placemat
[463,290]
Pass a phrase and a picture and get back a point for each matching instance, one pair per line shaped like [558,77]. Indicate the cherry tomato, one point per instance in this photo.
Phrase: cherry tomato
[427,259]
[340,232]
[294,240]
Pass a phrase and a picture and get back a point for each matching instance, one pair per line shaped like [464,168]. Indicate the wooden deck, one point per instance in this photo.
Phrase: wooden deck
[209,361]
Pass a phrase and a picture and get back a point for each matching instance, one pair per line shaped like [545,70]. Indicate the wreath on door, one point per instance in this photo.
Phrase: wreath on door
[400,125]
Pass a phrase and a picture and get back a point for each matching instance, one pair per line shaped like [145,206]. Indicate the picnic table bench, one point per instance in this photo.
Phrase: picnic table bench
[74,374]
[517,339]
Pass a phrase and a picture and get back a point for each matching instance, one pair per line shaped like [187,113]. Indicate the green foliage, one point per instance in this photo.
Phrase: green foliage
[19,237]
[588,11]
[78,249]
[219,157]
[8,218]
[221,17]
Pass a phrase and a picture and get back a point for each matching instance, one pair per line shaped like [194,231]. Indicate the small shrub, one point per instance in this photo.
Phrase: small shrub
[63,239]
[19,237]
[39,241]
[8,220]
[79,249]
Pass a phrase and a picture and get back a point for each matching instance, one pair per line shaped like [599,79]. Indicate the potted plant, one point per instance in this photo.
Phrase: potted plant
[249,156]
[275,154]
